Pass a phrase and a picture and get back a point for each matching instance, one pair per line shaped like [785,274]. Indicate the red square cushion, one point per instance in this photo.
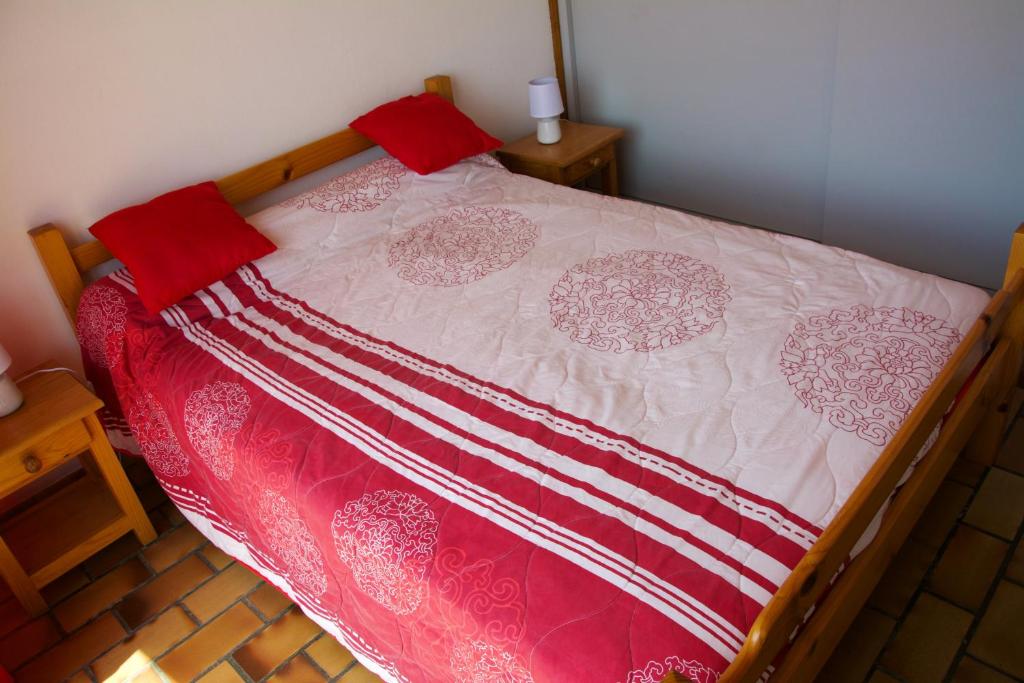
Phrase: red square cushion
[425,132]
[180,242]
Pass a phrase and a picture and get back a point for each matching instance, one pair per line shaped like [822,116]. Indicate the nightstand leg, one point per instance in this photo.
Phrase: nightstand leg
[20,584]
[120,487]
[610,178]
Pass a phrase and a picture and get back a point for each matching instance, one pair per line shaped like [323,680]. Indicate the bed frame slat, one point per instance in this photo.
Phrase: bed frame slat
[267,175]
[60,267]
[440,85]
[90,255]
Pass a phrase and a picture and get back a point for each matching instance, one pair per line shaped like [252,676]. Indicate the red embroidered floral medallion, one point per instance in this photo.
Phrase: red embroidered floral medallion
[865,368]
[480,662]
[102,315]
[364,189]
[152,429]
[290,538]
[213,416]
[387,539]
[462,246]
[655,671]
[638,300]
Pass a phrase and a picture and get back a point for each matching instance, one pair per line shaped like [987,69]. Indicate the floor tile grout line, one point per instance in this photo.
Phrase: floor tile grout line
[149,580]
[180,599]
[985,664]
[351,665]
[248,603]
[247,599]
[316,665]
[230,653]
[937,558]
[136,554]
[179,602]
[206,560]
[85,671]
[979,614]
[921,586]
[199,624]
[926,577]
[299,652]
[237,668]
[96,577]
[120,619]
[196,621]
[988,533]
[985,604]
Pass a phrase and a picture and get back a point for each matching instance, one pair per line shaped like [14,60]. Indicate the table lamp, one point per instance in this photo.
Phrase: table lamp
[10,395]
[545,106]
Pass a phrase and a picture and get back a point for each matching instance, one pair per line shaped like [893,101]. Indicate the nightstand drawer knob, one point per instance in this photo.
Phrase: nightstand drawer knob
[595,162]
[32,464]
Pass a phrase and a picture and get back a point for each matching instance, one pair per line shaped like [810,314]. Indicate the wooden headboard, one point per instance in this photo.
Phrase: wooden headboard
[67,266]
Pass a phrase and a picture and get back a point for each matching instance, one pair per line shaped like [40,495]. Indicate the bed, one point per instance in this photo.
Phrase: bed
[481,427]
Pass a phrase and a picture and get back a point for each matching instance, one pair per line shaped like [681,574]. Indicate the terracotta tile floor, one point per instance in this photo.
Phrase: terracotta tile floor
[950,608]
[176,610]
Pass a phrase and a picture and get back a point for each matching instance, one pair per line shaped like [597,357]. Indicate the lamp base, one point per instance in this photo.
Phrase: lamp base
[10,395]
[548,130]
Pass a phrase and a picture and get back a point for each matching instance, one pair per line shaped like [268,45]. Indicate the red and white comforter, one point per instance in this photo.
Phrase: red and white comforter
[481,427]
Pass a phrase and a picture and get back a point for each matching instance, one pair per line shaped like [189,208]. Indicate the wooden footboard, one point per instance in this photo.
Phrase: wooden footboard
[996,340]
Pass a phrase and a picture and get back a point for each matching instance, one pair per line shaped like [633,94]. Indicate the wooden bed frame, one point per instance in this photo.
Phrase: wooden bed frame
[991,351]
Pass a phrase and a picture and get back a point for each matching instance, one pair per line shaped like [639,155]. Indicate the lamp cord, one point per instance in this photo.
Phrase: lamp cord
[60,369]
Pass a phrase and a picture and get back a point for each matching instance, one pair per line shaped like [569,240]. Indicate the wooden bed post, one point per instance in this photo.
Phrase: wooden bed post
[440,85]
[558,52]
[1015,264]
[984,445]
[60,267]
[1016,260]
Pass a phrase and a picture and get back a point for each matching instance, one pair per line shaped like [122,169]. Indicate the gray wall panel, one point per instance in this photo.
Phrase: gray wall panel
[726,102]
[926,162]
[893,127]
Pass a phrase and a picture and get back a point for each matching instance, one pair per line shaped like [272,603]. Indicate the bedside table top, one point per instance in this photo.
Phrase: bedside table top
[578,140]
[52,400]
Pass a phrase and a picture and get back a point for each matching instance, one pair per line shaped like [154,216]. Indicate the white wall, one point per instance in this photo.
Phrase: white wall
[110,102]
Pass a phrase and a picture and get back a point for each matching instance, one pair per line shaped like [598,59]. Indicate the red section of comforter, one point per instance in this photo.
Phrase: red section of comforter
[435,551]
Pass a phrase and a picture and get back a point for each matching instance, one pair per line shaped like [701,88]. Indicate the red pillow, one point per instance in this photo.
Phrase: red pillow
[180,242]
[425,132]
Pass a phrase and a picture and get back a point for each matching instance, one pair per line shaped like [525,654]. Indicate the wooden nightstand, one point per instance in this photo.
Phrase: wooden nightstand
[584,150]
[65,526]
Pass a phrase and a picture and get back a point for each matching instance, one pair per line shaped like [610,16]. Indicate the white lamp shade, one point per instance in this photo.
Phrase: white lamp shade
[545,98]
[5,359]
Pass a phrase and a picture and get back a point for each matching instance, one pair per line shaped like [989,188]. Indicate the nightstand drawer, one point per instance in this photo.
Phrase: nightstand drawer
[42,456]
[584,150]
[584,167]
